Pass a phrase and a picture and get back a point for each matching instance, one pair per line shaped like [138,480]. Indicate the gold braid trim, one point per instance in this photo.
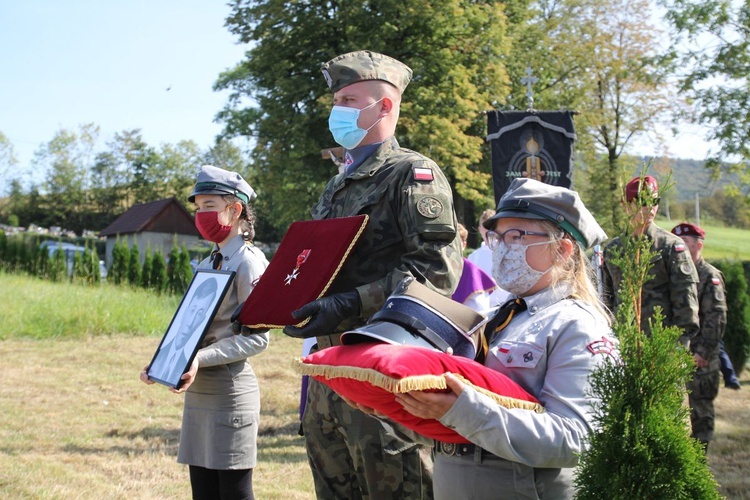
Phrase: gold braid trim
[398,386]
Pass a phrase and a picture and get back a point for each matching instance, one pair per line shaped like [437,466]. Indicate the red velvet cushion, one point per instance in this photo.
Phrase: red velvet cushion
[372,373]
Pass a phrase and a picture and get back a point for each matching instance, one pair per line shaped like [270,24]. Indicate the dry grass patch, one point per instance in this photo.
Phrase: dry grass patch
[75,422]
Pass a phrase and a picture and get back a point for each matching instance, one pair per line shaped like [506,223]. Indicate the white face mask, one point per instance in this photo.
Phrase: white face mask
[510,269]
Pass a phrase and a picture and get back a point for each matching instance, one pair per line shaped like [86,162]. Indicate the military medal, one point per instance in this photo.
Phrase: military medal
[301,259]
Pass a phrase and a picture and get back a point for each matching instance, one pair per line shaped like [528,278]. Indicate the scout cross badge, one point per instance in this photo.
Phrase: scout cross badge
[301,259]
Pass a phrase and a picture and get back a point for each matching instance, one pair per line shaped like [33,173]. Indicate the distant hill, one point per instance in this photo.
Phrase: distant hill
[690,176]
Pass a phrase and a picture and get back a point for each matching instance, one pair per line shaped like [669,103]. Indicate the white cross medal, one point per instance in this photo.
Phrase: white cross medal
[301,259]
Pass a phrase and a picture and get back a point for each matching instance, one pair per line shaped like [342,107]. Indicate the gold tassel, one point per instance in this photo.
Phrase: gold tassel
[399,386]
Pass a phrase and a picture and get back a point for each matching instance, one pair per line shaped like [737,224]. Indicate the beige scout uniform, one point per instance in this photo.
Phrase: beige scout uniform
[222,406]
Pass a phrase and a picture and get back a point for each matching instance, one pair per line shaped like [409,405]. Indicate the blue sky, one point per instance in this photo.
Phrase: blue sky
[64,63]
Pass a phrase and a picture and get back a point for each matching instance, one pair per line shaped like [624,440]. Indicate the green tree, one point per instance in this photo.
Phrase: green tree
[712,38]
[641,447]
[158,279]
[67,159]
[737,333]
[279,99]
[174,282]
[134,265]
[184,272]
[148,262]
[7,159]
[118,271]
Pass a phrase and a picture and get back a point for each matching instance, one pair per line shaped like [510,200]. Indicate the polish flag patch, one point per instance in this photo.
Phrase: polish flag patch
[423,174]
[716,281]
[679,247]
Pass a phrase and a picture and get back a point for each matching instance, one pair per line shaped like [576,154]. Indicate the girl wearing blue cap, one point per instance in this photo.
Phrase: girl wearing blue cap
[222,398]
[549,339]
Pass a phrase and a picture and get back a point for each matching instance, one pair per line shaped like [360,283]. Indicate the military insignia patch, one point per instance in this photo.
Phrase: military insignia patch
[429,207]
[422,174]
[716,281]
[679,247]
[603,346]
[685,268]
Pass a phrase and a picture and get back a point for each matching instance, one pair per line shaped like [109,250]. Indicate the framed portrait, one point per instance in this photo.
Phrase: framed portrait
[189,325]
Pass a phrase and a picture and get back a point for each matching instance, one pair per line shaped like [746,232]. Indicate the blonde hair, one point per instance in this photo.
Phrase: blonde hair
[575,270]
[463,234]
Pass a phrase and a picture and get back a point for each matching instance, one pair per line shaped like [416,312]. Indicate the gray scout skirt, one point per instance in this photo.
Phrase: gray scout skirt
[220,419]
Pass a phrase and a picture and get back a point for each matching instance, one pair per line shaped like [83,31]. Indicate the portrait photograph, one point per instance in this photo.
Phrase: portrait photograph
[188,326]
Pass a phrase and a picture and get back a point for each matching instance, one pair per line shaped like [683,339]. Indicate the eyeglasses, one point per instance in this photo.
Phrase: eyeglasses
[510,237]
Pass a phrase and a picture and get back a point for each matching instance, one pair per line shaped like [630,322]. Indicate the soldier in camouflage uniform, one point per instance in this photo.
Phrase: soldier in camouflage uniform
[673,278]
[412,231]
[704,387]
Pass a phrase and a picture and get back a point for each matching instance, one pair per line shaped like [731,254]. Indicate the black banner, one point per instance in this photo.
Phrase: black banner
[533,144]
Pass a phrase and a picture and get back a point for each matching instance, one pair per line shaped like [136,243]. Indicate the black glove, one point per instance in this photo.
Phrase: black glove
[326,314]
[238,328]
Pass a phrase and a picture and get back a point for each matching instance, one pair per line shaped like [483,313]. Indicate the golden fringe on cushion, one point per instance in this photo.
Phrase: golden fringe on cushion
[396,386]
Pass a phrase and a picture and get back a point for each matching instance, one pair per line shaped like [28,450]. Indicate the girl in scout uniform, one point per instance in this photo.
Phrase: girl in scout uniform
[548,338]
[222,398]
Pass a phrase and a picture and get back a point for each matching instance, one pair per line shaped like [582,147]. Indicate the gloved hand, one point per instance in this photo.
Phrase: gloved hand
[238,328]
[326,314]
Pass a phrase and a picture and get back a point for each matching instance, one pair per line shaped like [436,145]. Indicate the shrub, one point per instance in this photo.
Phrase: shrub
[737,333]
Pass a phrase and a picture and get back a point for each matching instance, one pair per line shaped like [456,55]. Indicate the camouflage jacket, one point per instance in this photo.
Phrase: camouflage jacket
[672,284]
[713,313]
[412,229]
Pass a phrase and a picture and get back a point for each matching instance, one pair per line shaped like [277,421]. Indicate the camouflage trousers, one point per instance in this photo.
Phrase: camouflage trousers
[353,457]
[703,389]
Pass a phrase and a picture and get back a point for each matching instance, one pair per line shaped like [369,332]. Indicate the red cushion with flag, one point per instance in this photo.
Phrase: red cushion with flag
[372,373]
[302,269]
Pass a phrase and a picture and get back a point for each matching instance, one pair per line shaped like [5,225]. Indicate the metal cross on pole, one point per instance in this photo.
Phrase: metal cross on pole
[529,80]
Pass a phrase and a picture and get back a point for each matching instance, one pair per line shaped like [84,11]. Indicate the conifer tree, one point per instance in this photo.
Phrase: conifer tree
[134,265]
[146,268]
[642,446]
[173,280]
[737,332]
[158,273]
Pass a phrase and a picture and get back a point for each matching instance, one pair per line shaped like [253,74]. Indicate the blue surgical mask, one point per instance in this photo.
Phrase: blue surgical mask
[342,123]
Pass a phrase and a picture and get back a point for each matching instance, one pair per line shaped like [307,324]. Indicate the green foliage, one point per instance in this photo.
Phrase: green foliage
[456,49]
[148,261]
[158,278]
[184,271]
[641,447]
[134,265]
[118,271]
[737,333]
[713,40]
[173,265]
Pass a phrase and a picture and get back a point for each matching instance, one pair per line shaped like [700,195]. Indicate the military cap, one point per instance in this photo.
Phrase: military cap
[365,65]
[632,188]
[688,229]
[531,199]
[418,316]
[215,180]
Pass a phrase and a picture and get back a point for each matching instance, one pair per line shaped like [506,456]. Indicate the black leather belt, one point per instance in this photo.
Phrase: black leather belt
[460,449]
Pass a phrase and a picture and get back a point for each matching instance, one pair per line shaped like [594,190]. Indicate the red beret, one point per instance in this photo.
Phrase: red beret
[631,189]
[688,229]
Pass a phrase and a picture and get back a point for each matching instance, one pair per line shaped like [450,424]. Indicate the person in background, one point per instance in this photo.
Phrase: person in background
[673,280]
[704,386]
[222,397]
[475,286]
[411,232]
[548,338]
[731,381]
[482,256]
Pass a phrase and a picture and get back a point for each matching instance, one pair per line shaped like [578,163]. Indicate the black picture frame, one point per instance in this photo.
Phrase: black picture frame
[188,327]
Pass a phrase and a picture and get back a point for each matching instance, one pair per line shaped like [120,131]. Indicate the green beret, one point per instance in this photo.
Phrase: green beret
[365,65]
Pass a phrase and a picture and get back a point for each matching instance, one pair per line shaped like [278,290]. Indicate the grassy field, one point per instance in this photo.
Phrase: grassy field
[75,421]
[721,242]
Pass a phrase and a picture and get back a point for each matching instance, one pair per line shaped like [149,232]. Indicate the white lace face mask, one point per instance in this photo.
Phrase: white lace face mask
[510,269]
